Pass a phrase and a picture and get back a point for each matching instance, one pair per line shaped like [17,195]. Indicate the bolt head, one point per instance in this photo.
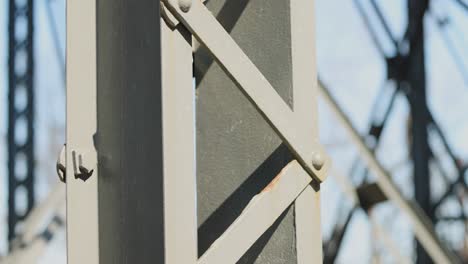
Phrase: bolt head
[318,160]
[185,5]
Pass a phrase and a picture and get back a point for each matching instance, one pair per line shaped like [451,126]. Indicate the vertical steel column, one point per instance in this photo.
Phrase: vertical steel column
[416,75]
[82,196]
[130,114]
[138,135]
[178,107]
[20,112]
[305,94]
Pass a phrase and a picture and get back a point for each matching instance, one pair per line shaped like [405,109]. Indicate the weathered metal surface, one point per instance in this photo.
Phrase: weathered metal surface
[259,214]
[129,138]
[242,70]
[238,134]
[238,153]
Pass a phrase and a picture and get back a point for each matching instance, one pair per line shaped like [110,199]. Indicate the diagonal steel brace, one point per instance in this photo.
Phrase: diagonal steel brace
[286,123]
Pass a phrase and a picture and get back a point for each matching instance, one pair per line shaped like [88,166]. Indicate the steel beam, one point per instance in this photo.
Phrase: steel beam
[286,123]
[234,140]
[130,138]
[416,77]
[261,212]
[179,167]
[138,132]
[81,78]
[20,113]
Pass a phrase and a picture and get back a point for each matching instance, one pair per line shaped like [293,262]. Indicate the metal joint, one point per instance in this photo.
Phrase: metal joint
[168,17]
[84,164]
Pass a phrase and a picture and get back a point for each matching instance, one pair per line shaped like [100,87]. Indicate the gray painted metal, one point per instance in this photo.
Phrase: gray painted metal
[286,123]
[238,154]
[298,125]
[129,135]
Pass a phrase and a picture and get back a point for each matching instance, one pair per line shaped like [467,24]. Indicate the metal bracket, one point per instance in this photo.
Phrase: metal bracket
[84,164]
[170,19]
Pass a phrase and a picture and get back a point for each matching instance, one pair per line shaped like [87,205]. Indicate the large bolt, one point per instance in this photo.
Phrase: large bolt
[318,160]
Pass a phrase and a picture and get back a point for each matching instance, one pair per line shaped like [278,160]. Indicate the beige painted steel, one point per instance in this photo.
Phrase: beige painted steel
[304,70]
[422,227]
[258,215]
[308,227]
[180,215]
[304,78]
[82,197]
[255,86]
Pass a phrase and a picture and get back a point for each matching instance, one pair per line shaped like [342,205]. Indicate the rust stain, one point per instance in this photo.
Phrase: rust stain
[275,180]
[272,184]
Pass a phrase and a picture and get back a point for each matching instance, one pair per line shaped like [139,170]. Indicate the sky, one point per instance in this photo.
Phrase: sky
[354,71]
[348,63]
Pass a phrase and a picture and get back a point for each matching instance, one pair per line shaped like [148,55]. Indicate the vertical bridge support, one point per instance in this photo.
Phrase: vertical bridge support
[249,190]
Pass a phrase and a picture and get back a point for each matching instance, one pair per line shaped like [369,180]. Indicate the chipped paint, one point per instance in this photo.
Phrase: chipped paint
[275,180]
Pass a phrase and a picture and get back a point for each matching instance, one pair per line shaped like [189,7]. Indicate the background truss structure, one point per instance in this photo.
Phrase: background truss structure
[20,112]
[406,69]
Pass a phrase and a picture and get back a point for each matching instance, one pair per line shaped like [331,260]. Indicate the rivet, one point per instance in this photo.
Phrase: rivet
[318,160]
[185,5]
